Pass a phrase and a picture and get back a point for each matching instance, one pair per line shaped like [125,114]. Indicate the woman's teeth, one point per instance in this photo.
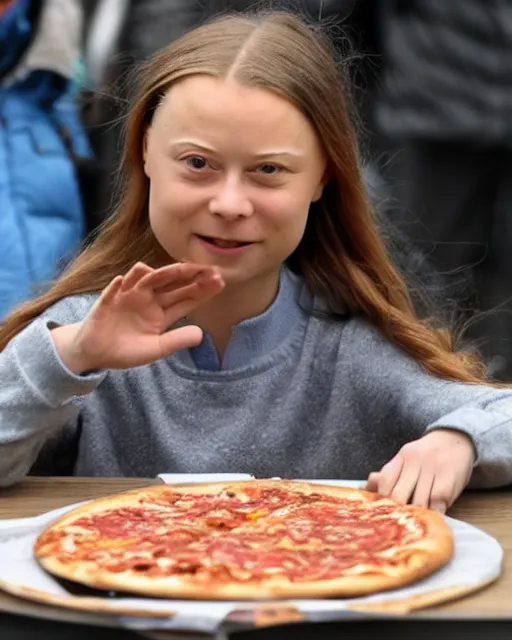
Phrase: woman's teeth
[225,244]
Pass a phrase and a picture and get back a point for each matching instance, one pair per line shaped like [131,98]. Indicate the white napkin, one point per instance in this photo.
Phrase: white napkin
[194,478]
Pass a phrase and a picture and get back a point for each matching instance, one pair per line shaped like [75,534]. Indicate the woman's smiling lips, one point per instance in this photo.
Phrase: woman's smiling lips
[222,246]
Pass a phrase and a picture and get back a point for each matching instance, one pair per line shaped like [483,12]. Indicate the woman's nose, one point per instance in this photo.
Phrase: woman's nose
[231,200]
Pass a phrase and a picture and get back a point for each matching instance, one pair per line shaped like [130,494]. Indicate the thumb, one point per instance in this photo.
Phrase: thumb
[181,338]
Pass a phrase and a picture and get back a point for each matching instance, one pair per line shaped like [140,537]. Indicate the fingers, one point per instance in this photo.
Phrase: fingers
[433,491]
[174,296]
[403,481]
[181,338]
[405,485]
[372,484]
[423,489]
[389,475]
[443,492]
[135,275]
[182,308]
[175,275]
[142,275]
[111,290]
[428,490]
[429,472]
[198,291]
[171,284]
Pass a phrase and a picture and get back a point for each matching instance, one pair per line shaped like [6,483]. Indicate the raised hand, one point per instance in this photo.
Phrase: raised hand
[429,472]
[129,324]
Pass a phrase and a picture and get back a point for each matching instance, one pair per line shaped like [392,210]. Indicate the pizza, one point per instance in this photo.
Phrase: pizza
[256,539]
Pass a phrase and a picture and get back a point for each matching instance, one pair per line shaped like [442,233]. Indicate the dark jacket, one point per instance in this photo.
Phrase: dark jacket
[447,70]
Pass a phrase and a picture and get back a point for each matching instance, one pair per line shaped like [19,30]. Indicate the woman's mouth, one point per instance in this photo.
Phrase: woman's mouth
[223,245]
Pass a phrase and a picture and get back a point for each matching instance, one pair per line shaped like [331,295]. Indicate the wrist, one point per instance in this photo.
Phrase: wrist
[65,339]
[460,436]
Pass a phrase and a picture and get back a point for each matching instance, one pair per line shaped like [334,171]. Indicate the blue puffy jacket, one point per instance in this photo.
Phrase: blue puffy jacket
[41,216]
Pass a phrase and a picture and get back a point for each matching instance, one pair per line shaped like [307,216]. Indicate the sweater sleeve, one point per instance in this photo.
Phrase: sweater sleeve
[39,396]
[394,387]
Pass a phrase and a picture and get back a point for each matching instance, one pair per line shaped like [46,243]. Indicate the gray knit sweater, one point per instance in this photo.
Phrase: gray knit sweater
[330,399]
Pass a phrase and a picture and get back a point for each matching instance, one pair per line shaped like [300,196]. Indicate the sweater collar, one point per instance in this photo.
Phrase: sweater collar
[255,337]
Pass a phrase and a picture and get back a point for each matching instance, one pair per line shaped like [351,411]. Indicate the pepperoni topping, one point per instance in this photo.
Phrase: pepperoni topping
[252,533]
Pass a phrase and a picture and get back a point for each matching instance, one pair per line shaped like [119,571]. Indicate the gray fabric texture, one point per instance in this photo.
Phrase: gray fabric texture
[333,400]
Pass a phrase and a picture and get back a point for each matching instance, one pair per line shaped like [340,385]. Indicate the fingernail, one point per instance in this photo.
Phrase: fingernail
[438,506]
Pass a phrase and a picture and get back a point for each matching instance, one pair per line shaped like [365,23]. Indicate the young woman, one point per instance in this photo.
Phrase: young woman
[239,311]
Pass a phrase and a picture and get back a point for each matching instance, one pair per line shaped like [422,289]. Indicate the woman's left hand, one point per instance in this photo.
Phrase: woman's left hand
[429,472]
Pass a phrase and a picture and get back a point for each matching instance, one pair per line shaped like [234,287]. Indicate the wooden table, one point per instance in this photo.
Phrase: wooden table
[490,511]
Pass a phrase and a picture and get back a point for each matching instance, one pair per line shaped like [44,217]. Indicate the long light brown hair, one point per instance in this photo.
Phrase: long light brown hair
[341,256]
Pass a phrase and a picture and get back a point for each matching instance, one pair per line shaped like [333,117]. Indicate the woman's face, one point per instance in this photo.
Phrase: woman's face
[232,173]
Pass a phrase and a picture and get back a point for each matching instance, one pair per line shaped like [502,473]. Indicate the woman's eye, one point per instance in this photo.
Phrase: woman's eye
[269,169]
[196,162]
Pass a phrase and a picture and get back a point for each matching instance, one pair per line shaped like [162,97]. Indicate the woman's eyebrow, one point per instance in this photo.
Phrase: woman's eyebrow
[190,142]
[294,153]
[182,142]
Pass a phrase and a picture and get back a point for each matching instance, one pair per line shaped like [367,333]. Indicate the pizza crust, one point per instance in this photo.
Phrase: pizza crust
[274,587]
[419,558]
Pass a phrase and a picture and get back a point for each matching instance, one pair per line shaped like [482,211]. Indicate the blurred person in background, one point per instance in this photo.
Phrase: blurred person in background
[41,144]
[447,104]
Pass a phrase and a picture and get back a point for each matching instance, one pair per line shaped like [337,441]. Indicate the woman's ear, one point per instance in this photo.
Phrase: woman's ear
[321,186]
[318,193]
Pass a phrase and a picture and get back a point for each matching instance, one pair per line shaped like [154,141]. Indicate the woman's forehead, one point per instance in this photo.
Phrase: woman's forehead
[208,106]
